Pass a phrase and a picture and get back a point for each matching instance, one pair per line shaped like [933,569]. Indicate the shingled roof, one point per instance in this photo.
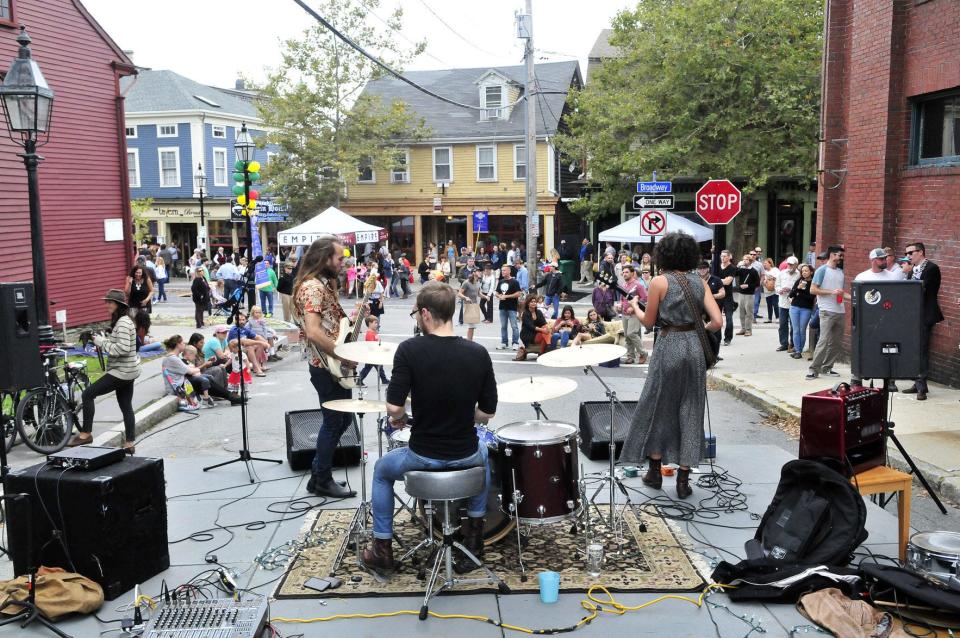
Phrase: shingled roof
[152,91]
[451,122]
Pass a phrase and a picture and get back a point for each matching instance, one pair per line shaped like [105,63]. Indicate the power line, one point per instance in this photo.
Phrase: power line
[399,32]
[454,31]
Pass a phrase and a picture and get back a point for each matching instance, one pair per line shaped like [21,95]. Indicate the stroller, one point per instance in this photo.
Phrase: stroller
[222,305]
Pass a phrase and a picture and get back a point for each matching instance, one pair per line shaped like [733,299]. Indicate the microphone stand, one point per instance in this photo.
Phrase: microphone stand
[244,452]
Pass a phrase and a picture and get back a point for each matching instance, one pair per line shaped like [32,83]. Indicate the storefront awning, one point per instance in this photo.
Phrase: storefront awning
[333,221]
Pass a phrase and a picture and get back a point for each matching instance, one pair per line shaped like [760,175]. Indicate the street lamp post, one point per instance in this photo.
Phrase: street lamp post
[27,106]
[244,147]
[201,180]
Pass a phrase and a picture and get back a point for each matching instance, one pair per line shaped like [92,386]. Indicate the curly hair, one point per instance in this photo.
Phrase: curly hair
[677,251]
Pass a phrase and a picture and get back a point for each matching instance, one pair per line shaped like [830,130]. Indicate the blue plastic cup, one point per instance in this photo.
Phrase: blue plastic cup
[549,587]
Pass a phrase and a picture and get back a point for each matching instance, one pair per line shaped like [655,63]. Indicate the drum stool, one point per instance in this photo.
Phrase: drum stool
[447,487]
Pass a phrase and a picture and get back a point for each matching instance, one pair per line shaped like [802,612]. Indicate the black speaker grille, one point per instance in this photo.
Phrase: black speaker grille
[302,427]
[598,413]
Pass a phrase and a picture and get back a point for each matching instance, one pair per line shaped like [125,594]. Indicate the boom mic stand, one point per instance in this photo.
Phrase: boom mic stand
[245,456]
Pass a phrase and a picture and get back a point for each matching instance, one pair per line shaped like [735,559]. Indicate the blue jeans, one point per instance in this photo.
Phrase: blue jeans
[334,423]
[756,301]
[553,300]
[562,337]
[511,316]
[392,466]
[366,370]
[161,293]
[785,335]
[151,349]
[266,302]
[799,318]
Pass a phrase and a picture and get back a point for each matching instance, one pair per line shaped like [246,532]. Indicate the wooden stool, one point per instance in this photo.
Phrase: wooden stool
[882,480]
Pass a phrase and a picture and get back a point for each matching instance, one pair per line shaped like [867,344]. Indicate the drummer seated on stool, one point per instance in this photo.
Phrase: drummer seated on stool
[452,386]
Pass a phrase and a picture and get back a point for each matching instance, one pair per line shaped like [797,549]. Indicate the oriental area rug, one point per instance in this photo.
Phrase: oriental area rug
[651,558]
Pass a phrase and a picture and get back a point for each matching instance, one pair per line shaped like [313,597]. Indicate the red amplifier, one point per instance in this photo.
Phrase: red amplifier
[845,424]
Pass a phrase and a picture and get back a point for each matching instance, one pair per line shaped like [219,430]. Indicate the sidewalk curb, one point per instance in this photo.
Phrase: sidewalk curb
[947,484]
[146,418]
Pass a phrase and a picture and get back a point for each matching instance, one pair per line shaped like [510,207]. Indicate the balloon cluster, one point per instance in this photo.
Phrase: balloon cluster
[253,174]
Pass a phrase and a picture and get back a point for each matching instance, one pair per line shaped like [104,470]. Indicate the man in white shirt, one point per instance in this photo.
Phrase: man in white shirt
[878,268]
[892,265]
[784,284]
[828,286]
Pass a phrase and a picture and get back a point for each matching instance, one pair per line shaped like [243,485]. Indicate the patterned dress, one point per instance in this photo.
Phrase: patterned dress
[669,416]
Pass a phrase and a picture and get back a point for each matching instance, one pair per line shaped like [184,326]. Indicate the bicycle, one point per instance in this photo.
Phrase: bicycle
[45,416]
[9,399]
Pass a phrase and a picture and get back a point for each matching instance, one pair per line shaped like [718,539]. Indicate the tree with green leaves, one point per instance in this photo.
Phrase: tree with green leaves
[314,112]
[706,88]
[141,225]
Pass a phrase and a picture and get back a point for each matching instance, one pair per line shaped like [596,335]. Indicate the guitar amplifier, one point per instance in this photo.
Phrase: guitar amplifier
[302,427]
[845,424]
[595,427]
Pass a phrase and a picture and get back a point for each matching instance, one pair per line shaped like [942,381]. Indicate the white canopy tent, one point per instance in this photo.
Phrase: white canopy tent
[332,221]
[629,231]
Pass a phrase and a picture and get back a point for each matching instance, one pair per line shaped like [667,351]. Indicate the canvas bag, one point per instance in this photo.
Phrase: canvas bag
[58,593]
[471,313]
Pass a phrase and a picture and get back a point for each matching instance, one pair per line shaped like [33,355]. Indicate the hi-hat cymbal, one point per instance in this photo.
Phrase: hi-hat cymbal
[378,353]
[582,355]
[356,406]
[531,389]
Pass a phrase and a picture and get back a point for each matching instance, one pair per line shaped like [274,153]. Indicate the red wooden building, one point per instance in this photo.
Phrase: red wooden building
[83,178]
[891,150]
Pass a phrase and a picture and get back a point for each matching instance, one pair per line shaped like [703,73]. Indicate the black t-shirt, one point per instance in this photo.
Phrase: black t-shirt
[508,287]
[715,284]
[748,276]
[729,271]
[446,378]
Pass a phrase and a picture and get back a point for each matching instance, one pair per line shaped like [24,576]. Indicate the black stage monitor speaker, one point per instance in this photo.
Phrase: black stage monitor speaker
[112,521]
[595,427]
[302,427]
[20,366]
[887,321]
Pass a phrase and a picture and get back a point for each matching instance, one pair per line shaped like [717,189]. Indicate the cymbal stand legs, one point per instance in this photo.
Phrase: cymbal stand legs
[610,477]
[517,496]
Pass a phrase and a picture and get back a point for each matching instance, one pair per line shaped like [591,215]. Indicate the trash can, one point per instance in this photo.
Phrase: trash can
[568,270]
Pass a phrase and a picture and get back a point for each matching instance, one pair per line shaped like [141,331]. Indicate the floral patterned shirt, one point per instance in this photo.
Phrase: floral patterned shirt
[319,296]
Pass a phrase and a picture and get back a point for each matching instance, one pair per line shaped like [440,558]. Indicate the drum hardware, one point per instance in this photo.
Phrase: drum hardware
[539,411]
[516,500]
[936,557]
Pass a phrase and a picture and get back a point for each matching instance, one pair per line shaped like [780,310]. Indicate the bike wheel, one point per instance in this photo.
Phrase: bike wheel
[44,420]
[8,418]
[80,383]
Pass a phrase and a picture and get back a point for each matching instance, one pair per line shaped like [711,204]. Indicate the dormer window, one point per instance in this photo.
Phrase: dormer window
[492,96]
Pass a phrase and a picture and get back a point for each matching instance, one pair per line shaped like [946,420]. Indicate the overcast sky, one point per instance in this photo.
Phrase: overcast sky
[212,41]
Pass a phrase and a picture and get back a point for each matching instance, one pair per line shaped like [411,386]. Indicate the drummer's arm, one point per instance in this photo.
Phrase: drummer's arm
[487,401]
[399,388]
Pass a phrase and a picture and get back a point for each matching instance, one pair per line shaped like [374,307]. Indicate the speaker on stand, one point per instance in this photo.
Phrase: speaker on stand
[595,427]
[20,365]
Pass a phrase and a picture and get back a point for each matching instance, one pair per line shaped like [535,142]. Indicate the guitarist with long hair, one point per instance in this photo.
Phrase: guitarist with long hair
[317,312]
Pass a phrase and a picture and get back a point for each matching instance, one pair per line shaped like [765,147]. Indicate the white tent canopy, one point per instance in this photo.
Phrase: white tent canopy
[629,231]
[332,221]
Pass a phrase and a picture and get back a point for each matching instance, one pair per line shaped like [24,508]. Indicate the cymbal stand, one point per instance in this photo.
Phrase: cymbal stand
[610,477]
[539,411]
[514,513]
[358,532]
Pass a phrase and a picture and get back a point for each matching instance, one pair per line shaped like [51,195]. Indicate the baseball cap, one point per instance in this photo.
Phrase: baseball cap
[903,260]
[792,260]
[221,328]
[878,253]
[547,268]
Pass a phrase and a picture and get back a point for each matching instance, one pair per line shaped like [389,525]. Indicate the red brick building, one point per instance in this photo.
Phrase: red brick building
[890,158]
[83,178]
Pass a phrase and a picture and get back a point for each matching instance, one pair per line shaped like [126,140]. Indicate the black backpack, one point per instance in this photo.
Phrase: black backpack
[816,518]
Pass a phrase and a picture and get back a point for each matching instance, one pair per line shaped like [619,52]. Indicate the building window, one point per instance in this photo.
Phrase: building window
[270,157]
[219,167]
[486,162]
[443,164]
[519,161]
[366,174]
[6,11]
[131,131]
[937,130]
[133,167]
[492,102]
[167,130]
[400,173]
[169,167]
[219,132]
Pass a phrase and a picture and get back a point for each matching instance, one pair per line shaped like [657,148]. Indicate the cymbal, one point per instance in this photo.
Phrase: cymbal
[356,406]
[378,353]
[582,355]
[531,389]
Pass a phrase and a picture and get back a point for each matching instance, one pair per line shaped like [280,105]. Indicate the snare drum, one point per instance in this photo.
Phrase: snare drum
[541,457]
[398,438]
[936,555]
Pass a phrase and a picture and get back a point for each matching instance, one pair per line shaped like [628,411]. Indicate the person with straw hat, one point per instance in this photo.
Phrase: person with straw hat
[123,367]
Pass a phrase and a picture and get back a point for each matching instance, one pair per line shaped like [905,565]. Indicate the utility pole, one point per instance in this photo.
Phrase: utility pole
[525,31]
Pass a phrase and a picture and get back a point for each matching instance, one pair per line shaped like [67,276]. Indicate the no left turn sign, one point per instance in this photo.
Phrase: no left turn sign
[653,222]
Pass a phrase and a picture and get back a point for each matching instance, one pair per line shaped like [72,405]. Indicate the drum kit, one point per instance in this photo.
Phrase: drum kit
[535,474]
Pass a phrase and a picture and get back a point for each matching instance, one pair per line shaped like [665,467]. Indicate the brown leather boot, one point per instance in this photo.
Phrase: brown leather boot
[653,477]
[521,354]
[683,483]
[378,556]
[473,541]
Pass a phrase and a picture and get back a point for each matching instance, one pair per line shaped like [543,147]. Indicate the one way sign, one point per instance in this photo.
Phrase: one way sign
[642,201]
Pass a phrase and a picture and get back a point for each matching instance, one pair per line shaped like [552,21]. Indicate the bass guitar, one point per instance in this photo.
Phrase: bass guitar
[347,377]
[611,281]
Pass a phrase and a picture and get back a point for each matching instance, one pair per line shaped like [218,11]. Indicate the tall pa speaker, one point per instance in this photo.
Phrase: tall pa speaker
[302,427]
[595,427]
[109,524]
[19,354]
[887,321]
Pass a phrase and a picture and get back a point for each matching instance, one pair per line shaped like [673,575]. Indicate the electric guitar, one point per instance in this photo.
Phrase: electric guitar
[611,281]
[347,377]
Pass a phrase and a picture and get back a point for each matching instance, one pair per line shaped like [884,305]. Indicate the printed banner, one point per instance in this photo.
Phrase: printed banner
[261,278]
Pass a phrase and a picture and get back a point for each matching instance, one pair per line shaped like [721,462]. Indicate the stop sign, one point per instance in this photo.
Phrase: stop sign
[718,201]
